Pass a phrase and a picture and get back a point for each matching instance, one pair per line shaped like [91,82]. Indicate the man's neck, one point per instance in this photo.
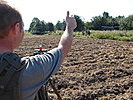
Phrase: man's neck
[5,46]
[3,49]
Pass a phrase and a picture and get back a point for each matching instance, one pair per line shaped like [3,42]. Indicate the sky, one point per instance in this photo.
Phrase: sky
[54,10]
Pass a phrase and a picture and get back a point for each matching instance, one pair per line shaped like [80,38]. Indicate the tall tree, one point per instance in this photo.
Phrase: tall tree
[63,25]
[105,14]
[58,25]
[97,22]
[50,26]
[38,26]
[35,20]
[80,23]
[88,25]
[129,21]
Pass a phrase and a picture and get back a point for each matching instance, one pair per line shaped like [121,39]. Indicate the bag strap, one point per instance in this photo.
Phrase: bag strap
[9,64]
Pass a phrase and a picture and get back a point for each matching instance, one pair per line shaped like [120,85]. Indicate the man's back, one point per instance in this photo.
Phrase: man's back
[11,66]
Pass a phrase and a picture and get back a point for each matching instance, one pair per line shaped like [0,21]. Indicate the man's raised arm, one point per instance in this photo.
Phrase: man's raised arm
[67,37]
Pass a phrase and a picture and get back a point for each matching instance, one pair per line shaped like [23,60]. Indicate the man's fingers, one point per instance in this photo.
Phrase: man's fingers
[67,14]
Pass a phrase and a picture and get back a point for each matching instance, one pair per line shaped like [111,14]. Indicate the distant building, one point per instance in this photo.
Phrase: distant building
[107,28]
[26,31]
[110,28]
[37,32]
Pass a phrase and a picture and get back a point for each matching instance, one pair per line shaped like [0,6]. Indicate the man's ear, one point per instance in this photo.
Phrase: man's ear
[17,28]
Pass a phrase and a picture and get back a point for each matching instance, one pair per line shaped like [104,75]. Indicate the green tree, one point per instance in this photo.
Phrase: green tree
[38,26]
[35,20]
[80,24]
[104,21]
[58,25]
[50,26]
[88,25]
[120,20]
[129,21]
[63,25]
[105,14]
[97,22]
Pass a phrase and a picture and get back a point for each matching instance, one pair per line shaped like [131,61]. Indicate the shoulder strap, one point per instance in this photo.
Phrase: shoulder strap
[10,67]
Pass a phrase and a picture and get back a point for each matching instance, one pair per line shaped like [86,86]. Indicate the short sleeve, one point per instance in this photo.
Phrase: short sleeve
[52,62]
[39,69]
[49,62]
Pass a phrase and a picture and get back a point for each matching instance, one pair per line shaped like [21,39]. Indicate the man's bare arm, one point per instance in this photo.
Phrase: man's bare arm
[67,37]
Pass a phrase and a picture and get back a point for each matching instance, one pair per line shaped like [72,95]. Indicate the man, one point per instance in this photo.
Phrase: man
[39,68]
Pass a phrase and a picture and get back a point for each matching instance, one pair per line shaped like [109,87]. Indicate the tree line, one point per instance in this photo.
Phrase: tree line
[101,22]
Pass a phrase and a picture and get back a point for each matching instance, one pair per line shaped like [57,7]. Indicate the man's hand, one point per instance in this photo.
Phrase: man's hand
[70,22]
[67,37]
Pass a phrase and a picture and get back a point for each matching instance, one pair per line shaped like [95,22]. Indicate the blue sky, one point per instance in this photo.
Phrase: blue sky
[54,10]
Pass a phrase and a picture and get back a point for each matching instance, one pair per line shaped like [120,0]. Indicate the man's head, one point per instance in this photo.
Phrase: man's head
[10,22]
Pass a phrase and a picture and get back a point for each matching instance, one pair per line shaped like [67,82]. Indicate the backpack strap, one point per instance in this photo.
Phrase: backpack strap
[10,67]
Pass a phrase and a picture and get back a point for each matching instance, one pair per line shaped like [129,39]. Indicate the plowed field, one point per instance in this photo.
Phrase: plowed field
[93,70]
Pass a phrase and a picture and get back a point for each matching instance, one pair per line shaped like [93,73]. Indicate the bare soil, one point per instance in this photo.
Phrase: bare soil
[93,70]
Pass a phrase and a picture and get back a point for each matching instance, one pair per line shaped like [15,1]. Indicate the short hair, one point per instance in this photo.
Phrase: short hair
[9,16]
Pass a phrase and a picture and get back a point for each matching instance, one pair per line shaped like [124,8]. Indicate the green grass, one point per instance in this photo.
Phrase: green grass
[27,32]
[113,35]
[109,35]
[56,33]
